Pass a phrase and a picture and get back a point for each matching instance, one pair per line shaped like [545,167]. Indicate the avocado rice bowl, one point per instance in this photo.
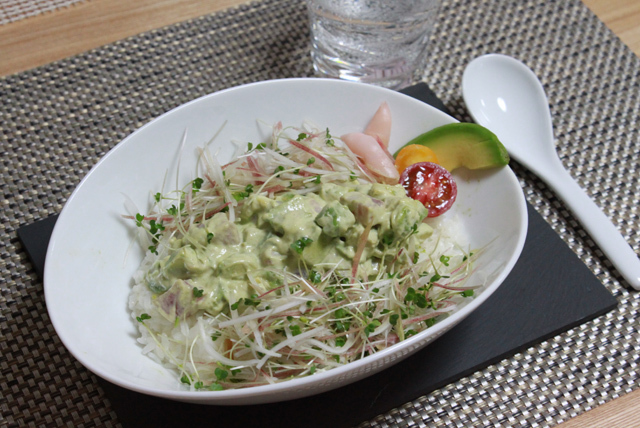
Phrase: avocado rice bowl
[288,261]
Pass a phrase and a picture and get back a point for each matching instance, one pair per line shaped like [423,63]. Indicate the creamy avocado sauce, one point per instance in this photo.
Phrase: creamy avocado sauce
[219,262]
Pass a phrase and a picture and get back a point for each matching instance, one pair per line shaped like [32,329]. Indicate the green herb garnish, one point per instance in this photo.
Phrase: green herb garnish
[299,245]
[295,329]
[315,277]
[329,139]
[143,317]
[221,374]
[196,184]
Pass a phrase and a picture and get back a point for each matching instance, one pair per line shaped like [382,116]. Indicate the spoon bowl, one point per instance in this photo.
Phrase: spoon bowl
[505,96]
[498,90]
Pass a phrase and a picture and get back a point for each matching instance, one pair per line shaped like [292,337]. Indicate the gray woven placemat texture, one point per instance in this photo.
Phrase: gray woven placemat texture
[15,10]
[56,121]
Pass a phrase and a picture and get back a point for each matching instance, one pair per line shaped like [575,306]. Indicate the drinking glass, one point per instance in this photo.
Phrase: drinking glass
[382,42]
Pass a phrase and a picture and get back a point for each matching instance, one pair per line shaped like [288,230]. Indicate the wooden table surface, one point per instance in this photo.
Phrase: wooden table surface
[51,36]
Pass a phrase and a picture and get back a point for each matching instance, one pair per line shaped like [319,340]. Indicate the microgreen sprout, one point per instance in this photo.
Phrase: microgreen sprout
[371,327]
[299,245]
[328,139]
[315,277]
[196,184]
[143,317]
[248,190]
[220,373]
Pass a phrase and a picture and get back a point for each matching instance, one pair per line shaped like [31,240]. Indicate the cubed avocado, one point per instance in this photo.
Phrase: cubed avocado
[464,145]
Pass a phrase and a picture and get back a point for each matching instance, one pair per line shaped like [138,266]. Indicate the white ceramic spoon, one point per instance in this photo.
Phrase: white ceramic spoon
[505,96]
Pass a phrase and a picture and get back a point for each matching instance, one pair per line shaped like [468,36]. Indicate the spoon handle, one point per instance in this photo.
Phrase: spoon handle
[601,229]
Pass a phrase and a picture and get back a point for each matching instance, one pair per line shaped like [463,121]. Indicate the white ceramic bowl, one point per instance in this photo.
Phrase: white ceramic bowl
[88,271]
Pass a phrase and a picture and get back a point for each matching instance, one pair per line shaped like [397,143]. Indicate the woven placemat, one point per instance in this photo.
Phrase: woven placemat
[56,121]
[15,10]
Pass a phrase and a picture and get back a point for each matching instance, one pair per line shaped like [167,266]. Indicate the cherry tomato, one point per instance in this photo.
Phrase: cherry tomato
[430,184]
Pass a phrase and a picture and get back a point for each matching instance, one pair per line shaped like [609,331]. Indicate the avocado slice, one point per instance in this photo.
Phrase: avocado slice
[464,145]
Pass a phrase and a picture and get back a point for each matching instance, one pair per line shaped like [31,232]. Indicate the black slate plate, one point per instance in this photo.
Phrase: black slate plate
[549,291]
